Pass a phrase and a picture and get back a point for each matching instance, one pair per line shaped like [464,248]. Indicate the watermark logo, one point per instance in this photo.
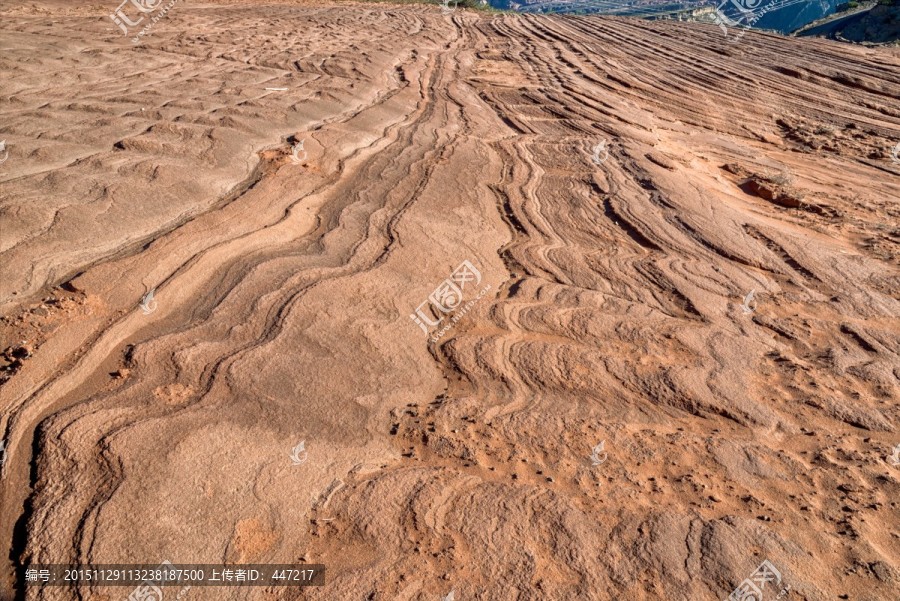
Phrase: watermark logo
[747,15]
[723,21]
[895,154]
[749,303]
[601,153]
[143,7]
[894,459]
[4,153]
[751,589]
[148,303]
[295,152]
[598,457]
[448,297]
[299,455]
[446,10]
[149,591]
[746,6]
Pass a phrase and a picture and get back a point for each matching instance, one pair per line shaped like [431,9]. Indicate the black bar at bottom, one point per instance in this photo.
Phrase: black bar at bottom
[154,576]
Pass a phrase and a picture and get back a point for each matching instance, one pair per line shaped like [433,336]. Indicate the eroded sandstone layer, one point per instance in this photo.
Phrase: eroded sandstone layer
[678,246]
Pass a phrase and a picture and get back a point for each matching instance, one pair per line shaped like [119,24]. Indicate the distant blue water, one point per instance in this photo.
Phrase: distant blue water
[792,14]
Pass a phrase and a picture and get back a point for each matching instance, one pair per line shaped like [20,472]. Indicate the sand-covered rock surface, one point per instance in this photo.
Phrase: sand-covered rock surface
[657,275]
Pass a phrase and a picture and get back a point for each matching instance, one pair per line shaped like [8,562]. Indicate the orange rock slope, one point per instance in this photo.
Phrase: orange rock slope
[669,265]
